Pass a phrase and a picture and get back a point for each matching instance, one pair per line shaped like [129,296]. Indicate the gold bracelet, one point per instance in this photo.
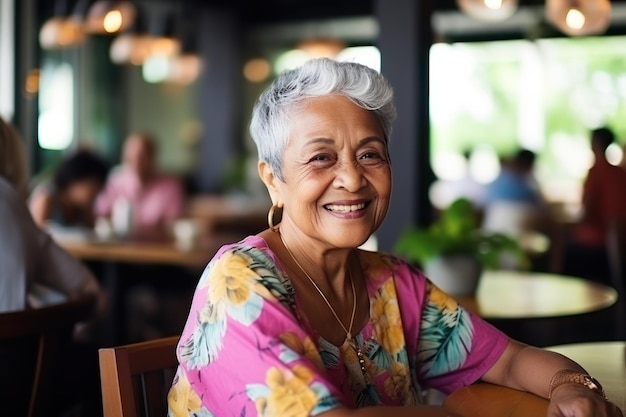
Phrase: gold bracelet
[567,376]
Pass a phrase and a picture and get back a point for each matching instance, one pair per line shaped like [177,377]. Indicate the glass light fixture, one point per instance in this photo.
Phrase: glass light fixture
[489,10]
[257,70]
[184,69]
[61,32]
[579,17]
[108,17]
[65,28]
[163,39]
[322,47]
[130,48]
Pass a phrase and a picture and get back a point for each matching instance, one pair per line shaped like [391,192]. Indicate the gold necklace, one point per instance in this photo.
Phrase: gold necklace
[349,338]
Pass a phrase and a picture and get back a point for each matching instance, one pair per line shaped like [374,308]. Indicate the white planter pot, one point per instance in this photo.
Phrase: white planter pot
[457,275]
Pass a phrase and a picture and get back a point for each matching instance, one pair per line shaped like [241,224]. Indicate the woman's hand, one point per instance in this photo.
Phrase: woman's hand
[574,400]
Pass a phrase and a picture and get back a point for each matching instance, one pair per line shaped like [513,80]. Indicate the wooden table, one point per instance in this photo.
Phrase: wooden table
[137,252]
[544,309]
[121,263]
[604,360]
[531,295]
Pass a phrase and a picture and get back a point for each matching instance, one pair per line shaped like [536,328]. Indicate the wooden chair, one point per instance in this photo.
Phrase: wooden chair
[30,344]
[136,378]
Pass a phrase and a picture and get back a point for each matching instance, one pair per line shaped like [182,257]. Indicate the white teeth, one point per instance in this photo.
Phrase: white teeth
[345,209]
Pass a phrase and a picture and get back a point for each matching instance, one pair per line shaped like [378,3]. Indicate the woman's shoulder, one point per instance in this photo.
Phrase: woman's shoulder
[249,262]
[252,252]
[381,266]
[252,243]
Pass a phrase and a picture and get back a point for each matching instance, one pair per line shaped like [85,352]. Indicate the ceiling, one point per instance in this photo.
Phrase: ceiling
[449,23]
[354,20]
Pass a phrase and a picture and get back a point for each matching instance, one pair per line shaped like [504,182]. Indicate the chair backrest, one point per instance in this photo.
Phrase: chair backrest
[30,344]
[136,378]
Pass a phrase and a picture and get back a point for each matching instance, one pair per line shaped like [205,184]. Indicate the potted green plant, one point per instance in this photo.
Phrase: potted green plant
[454,250]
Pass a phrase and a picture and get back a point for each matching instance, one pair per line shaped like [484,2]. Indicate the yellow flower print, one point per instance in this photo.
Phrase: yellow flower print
[398,384]
[442,300]
[304,347]
[386,318]
[181,399]
[231,280]
[289,393]
[376,266]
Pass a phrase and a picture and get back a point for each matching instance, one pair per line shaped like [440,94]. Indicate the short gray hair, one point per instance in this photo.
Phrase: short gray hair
[364,86]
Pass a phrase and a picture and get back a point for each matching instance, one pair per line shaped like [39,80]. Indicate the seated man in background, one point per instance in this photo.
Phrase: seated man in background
[152,201]
[67,200]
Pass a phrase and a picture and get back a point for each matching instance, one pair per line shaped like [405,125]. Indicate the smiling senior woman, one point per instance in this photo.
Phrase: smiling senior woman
[298,321]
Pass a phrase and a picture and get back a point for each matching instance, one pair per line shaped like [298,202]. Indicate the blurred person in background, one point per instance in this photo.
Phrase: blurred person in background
[32,261]
[141,203]
[467,186]
[68,199]
[622,162]
[152,200]
[514,202]
[603,202]
[35,271]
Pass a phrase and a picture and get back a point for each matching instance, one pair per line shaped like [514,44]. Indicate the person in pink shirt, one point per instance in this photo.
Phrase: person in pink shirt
[154,200]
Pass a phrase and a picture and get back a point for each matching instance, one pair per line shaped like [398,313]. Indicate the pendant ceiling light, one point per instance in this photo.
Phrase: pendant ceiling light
[108,17]
[579,17]
[322,47]
[64,29]
[130,48]
[187,65]
[61,32]
[162,30]
[489,10]
[133,45]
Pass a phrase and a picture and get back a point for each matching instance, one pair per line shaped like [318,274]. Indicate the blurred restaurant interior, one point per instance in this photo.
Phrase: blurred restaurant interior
[474,82]
[435,54]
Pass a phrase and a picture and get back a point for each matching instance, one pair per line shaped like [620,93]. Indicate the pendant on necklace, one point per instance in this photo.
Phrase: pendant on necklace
[359,354]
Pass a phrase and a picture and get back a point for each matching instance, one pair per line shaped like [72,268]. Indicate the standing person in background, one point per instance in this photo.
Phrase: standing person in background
[67,200]
[154,200]
[622,163]
[603,201]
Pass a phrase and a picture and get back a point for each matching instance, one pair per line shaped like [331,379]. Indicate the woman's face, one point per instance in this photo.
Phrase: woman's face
[336,170]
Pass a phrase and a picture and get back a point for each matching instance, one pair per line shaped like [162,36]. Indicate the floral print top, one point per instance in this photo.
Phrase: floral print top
[245,351]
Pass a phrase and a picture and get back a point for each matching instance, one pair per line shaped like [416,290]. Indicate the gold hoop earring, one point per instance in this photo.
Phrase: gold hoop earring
[270,219]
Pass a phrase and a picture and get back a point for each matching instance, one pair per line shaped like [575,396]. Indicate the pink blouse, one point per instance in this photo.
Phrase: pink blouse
[246,350]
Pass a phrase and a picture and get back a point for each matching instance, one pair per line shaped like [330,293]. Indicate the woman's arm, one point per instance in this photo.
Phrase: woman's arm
[531,369]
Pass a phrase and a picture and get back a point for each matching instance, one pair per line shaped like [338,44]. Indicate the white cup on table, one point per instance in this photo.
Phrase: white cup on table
[186,233]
